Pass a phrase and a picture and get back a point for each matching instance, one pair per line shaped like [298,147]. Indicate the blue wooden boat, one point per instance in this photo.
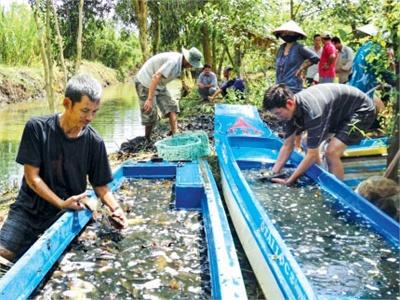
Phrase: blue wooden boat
[243,142]
[368,147]
[358,169]
[195,190]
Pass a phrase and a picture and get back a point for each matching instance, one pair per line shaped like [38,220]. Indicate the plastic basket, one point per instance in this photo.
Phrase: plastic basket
[184,146]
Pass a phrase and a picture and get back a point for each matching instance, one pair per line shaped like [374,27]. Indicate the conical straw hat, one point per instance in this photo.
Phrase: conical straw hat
[289,26]
[368,29]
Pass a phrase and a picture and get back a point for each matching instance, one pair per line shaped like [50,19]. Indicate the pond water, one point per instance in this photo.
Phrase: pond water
[340,257]
[117,120]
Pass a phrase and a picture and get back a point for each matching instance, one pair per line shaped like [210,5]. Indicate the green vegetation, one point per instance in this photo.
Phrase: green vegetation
[122,34]
[118,49]
[19,44]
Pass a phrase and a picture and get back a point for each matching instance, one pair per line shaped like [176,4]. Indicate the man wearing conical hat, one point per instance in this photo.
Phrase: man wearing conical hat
[151,82]
[292,58]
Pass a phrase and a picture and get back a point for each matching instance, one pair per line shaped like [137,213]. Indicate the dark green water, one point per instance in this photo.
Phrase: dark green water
[117,121]
[338,256]
[162,255]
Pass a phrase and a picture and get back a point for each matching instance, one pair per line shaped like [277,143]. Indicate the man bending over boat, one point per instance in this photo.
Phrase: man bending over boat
[151,81]
[322,111]
[59,153]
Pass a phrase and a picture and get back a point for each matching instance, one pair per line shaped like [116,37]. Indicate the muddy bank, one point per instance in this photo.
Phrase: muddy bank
[18,84]
[141,149]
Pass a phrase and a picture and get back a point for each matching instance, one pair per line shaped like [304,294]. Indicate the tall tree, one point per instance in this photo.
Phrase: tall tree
[141,13]
[45,48]
[79,38]
[60,43]
[155,26]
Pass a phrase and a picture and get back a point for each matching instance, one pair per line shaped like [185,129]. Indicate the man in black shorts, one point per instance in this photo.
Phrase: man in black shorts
[59,153]
[320,110]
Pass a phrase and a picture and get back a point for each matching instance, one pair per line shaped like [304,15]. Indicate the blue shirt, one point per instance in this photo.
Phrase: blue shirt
[288,65]
[363,75]
[236,84]
[211,78]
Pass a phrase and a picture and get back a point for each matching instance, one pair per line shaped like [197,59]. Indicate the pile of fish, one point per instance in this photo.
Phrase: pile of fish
[162,254]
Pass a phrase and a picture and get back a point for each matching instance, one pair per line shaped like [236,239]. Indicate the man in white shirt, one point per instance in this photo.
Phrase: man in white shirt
[345,60]
[151,82]
[313,69]
[207,82]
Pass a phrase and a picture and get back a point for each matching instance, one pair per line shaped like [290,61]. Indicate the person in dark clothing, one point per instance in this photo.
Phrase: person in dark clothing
[321,110]
[292,58]
[234,83]
[59,153]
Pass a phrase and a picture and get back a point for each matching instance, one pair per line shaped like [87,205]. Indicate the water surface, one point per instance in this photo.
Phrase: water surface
[117,120]
[339,256]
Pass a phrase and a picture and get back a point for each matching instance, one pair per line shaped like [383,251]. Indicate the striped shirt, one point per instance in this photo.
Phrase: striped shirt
[324,108]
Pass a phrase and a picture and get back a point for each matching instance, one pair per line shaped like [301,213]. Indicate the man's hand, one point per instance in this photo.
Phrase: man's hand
[74,202]
[148,105]
[279,180]
[118,219]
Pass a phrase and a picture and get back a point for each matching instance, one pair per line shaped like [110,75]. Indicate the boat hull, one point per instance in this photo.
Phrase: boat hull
[195,189]
[242,142]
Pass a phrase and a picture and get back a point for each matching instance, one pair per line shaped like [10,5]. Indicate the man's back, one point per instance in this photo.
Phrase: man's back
[322,108]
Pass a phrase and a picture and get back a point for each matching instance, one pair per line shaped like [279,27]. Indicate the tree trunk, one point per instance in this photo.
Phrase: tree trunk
[221,61]
[49,55]
[60,43]
[291,10]
[394,140]
[395,134]
[79,38]
[206,45]
[140,7]
[44,56]
[156,28]
[229,55]
[238,59]
[214,52]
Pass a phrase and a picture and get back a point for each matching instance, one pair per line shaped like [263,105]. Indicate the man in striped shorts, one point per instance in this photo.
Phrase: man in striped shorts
[321,110]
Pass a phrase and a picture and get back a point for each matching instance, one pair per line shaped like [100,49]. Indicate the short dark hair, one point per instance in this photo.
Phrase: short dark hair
[206,66]
[276,96]
[83,85]
[316,35]
[336,40]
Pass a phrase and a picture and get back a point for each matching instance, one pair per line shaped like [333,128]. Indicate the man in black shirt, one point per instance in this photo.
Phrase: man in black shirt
[320,110]
[58,153]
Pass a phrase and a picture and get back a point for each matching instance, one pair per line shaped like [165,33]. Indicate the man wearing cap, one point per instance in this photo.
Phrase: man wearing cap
[292,58]
[236,84]
[344,60]
[320,110]
[207,82]
[327,63]
[151,82]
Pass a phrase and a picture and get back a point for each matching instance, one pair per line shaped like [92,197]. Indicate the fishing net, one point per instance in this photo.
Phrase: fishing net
[189,145]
